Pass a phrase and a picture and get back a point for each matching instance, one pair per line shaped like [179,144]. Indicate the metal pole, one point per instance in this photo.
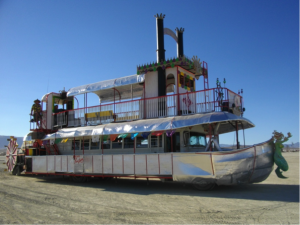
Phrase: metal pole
[144,102]
[83,145]
[237,136]
[243,134]
[171,143]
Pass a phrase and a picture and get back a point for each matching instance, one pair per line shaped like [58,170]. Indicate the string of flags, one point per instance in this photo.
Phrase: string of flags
[112,137]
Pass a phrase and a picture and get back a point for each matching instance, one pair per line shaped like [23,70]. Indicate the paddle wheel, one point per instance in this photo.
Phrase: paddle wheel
[13,161]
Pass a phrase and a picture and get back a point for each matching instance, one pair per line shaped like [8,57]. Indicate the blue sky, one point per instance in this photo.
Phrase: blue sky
[48,45]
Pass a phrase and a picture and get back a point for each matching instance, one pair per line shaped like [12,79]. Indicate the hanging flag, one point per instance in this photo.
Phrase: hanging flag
[134,135]
[52,141]
[157,133]
[145,134]
[58,140]
[95,138]
[45,142]
[170,132]
[64,140]
[122,136]
[104,137]
[113,137]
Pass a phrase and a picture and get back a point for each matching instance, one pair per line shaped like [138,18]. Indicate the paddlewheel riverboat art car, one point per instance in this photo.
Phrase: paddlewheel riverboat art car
[153,124]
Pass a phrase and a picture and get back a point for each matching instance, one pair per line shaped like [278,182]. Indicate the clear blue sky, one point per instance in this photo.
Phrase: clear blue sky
[48,45]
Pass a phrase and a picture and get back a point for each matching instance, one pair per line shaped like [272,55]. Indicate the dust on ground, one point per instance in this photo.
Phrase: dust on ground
[57,200]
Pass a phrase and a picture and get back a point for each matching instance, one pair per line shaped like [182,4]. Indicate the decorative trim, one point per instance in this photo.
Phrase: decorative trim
[192,65]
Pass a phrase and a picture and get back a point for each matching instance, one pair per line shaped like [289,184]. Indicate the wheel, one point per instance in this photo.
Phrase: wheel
[79,179]
[203,185]
[11,155]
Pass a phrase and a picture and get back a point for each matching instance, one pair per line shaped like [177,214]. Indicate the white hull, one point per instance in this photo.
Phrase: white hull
[248,165]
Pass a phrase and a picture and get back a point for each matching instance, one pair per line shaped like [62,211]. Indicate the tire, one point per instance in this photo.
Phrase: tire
[203,185]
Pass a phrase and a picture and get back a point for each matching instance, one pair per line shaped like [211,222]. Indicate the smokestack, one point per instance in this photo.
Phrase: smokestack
[160,37]
[179,33]
[161,73]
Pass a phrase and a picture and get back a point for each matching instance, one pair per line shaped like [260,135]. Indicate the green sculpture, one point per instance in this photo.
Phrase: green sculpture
[278,158]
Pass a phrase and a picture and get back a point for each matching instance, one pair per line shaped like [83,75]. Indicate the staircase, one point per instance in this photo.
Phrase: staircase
[52,149]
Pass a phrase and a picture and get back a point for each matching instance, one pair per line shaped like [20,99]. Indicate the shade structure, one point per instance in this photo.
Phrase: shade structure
[226,120]
[115,89]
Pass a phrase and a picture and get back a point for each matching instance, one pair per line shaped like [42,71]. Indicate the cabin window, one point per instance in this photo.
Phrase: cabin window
[191,84]
[106,144]
[75,144]
[128,143]
[181,81]
[117,143]
[141,142]
[187,82]
[156,141]
[197,139]
[95,145]
[85,144]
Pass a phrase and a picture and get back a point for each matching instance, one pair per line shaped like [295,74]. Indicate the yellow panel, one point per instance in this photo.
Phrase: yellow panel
[30,151]
[98,114]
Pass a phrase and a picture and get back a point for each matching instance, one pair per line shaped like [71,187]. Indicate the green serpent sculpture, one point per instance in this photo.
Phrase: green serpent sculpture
[278,158]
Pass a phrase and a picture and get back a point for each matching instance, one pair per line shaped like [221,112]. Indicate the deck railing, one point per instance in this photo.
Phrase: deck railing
[215,99]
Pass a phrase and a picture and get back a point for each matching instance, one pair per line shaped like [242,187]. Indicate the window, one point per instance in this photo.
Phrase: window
[181,79]
[141,142]
[128,143]
[75,144]
[197,139]
[156,141]
[95,145]
[191,83]
[187,82]
[117,143]
[105,144]
[85,144]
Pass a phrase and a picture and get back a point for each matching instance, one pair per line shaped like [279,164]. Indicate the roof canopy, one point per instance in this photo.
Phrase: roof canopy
[161,124]
[126,87]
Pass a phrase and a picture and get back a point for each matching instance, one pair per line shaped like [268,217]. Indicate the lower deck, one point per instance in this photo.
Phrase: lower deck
[248,165]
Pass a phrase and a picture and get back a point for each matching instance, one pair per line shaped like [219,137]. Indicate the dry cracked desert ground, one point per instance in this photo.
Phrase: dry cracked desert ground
[55,200]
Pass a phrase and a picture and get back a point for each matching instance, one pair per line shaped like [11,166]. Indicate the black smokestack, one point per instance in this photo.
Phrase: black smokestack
[179,33]
[160,54]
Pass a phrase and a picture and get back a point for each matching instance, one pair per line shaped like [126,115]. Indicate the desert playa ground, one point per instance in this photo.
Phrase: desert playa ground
[55,200]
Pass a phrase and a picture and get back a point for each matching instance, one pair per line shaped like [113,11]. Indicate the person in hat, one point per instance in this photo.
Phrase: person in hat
[36,112]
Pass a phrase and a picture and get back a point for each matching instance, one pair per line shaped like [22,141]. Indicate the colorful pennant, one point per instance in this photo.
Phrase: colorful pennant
[134,135]
[157,133]
[113,137]
[145,134]
[122,136]
[170,132]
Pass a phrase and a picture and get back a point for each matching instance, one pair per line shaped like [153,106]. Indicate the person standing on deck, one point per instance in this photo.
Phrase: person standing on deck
[36,110]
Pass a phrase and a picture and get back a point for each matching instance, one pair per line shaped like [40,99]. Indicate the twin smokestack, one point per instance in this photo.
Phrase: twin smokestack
[160,31]
[161,50]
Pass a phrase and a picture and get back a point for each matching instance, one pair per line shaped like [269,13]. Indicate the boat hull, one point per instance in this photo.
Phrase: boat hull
[241,166]
[250,165]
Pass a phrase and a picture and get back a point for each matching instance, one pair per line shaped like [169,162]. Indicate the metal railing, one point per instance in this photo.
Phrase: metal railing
[215,99]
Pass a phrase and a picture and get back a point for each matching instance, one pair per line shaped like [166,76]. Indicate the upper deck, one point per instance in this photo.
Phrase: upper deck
[131,100]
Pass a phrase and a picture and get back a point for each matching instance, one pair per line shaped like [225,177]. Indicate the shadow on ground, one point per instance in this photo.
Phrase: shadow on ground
[260,191]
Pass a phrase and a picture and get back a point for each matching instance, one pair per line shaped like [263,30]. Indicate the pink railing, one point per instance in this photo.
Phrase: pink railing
[215,99]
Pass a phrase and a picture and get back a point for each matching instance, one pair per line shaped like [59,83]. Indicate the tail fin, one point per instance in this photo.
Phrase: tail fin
[279,173]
